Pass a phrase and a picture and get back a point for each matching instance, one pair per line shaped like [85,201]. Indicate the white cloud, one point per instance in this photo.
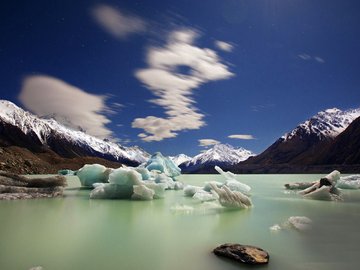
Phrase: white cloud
[172,89]
[116,22]
[207,142]
[304,56]
[241,137]
[319,59]
[307,57]
[222,45]
[71,106]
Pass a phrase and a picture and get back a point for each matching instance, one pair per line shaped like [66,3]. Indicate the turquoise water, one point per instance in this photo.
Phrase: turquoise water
[77,233]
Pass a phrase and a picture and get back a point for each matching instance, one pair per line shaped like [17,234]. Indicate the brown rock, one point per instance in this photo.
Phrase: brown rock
[243,253]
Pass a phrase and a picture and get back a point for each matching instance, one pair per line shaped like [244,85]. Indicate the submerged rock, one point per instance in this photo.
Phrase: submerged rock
[243,253]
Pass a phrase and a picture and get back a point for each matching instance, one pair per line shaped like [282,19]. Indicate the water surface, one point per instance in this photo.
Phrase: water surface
[77,233]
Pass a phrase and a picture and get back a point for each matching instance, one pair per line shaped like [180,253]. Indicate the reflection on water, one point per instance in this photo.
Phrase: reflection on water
[77,233]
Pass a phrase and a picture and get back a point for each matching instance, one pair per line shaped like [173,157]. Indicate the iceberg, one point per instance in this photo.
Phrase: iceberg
[275,228]
[189,191]
[232,183]
[231,199]
[203,196]
[158,162]
[159,189]
[127,183]
[330,179]
[299,185]
[300,223]
[93,173]
[145,174]
[349,182]
[141,192]
[207,186]
[178,185]
[324,189]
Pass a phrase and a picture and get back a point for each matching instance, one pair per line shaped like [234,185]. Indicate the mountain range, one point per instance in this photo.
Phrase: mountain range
[319,140]
[329,137]
[219,154]
[23,129]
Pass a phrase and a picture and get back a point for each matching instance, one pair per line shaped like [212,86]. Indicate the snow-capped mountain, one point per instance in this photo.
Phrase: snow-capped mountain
[325,124]
[302,144]
[24,128]
[219,154]
[179,159]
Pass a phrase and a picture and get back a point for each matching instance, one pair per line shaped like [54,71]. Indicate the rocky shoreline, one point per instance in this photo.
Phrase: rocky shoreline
[15,187]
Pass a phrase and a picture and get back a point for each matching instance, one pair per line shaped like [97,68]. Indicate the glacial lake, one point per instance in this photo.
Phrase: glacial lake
[77,233]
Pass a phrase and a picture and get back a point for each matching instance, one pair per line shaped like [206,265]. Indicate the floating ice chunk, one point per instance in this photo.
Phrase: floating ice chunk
[300,223]
[322,193]
[111,191]
[178,185]
[159,189]
[275,228]
[121,182]
[324,189]
[333,177]
[93,173]
[355,177]
[145,174]
[163,164]
[207,186]
[231,199]
[232,183]
[156,166]
[227,175]
[163,178]
[204,196]
[349,182]
[141,192]
[95,185]
[235,185]
[299,185]
[190,191]
[125,176]
[182,209]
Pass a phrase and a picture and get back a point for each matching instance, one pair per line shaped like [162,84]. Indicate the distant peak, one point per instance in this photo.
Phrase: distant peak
[325,124]
[332,110]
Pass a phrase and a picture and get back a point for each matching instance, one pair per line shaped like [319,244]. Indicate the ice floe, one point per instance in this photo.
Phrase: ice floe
[323,189]
[299,223]
[349,182]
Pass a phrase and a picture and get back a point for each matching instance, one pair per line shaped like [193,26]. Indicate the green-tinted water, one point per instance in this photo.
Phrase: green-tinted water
[77,233]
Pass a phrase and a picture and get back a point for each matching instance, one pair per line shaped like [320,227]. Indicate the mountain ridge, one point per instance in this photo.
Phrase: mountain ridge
[220,154]
[22,128]
[299,145]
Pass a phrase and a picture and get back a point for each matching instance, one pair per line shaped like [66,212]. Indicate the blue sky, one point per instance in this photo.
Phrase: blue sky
[165,75]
